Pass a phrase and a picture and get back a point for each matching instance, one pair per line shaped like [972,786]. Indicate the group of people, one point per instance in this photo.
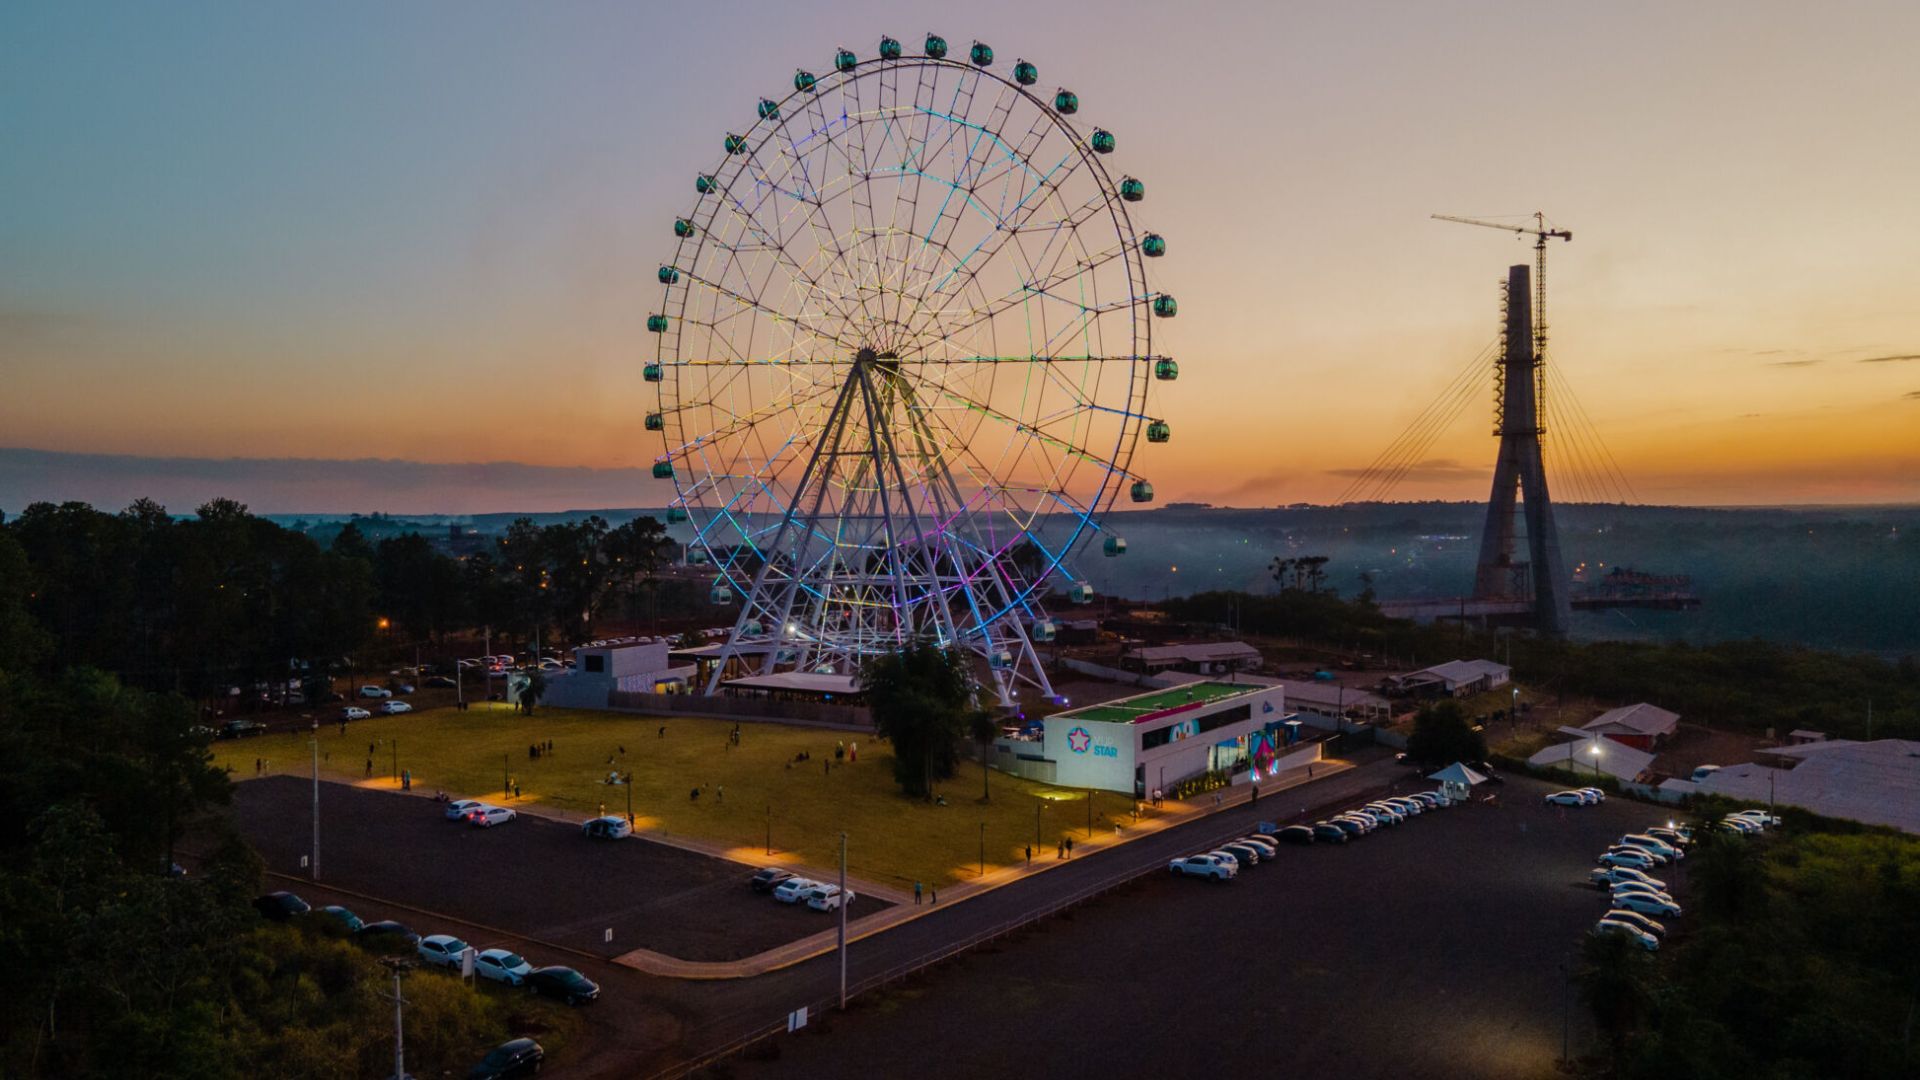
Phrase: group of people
[539,749]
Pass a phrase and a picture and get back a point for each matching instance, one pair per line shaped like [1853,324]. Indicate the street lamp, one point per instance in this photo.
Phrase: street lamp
[983,849]
[1596,759]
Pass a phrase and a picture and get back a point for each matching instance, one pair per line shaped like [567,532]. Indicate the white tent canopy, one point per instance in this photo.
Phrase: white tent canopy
[1458,773]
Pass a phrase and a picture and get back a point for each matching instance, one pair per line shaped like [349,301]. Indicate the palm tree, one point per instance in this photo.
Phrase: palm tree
[1616,982]
[981,725]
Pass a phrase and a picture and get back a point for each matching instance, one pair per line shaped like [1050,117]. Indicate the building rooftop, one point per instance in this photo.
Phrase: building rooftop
[1875,782]
[806,682]
[1641,719]
[1143,707]
[1195,652]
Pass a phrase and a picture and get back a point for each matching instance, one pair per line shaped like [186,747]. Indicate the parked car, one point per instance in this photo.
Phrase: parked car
[1635,919]
[1406,805]
[486,817]
[442,950]
[1329,833]
[458,809]
[1670,836]
[391,708]
[1266,845]
[343,917]
[1632,933]
[1653,844]
[1607,876]
[563,984]
[1594,793]
[354,712]
[1349,825]
[502,966]
[241,729]
[1247,854]
[1635,888]
[281,906]
[1659,858]
[387,928]
[1297,834]
[519,1057]
[1758,817]
[403,689]
[1204,866]
[827,897]
[1384,815]
[1638,860]
[606,828]
[1228,857]
[791,890]
[440,682]
[767,878]
[1430,800]
[1566,798]
[375,692]
[1647,903]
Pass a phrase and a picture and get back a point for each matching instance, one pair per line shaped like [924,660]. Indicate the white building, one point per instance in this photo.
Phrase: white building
[1200,658]
[1593,755]
[1455,678]
[600,670]
[1155,740]
[1877,782]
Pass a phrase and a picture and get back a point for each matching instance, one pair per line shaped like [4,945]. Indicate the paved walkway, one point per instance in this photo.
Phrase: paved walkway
[1170,815]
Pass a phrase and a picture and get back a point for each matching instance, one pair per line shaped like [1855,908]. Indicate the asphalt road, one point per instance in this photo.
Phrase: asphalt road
[1430,949]
[534,878]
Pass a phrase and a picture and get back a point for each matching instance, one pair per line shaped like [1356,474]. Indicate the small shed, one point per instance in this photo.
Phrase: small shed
[1457,781]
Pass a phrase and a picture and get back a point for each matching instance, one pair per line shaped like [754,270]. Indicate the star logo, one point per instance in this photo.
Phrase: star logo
[1078,740]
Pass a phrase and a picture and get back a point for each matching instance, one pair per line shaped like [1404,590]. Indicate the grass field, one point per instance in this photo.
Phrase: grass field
[744,790]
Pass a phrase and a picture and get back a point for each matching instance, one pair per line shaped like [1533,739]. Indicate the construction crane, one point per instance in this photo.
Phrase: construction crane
[1541,234]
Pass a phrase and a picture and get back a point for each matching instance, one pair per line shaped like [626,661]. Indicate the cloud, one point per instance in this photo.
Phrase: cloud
[1791,363]
[1430,469]
[1911,395]
[1889,359]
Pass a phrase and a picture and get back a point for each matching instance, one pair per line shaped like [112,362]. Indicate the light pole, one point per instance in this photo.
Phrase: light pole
[506,778]
[1596,760]
[983,849]
[316,800]
[1037,805]
[769,828]
[840,937]
[399,965]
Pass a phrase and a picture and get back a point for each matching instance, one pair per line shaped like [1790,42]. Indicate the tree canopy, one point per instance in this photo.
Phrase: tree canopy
[919,697]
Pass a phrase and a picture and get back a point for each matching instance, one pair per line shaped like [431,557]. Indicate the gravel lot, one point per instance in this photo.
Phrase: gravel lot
[534,878]
[1430,949]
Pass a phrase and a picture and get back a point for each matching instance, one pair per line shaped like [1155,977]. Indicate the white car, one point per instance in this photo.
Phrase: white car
[1384,814]
[1647,903]
[1638,860]
[1633,933]
[1636,920]
[1673,838]
[1206,866]
[486,817]
[1634,888]
[607,828]
[441,950]
[354,712]
[1613,875]
[1593,793]
[394,708]
[1247,854]
[1367,822]
[501,965]
[1269,847]
[1758,817]
[793,889]
[1653,844]
[375,692]
[828,897]
[458,809]
[1566,798]
[1658,858]
[1405,805]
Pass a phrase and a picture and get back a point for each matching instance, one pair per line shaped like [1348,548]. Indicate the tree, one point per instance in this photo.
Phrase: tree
[981,725]
[919,698]
[535,689]
[1616,981]
[1442,735]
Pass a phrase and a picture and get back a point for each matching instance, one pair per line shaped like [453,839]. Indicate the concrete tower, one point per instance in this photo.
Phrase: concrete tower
[1519,475]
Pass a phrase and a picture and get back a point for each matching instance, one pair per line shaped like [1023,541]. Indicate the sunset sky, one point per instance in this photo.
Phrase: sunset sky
[427,232]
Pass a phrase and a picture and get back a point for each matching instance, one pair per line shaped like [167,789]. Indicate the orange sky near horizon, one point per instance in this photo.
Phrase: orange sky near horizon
[365,232]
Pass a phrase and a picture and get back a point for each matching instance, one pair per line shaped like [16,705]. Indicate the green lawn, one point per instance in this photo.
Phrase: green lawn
[891,839]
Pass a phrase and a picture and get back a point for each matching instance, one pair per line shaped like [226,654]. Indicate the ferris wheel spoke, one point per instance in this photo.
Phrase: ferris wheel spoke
[776,315]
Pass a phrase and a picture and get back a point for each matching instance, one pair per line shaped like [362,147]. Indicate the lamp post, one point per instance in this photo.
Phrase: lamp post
[769,828]
[983,849]
[1596,760]
[316,799]
[1037,805]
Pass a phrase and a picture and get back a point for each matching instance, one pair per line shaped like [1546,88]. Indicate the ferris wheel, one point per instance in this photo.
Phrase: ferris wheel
[903,361]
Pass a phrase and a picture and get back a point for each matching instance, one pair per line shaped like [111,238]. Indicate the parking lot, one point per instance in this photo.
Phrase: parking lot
[1431,948]
[534,878]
